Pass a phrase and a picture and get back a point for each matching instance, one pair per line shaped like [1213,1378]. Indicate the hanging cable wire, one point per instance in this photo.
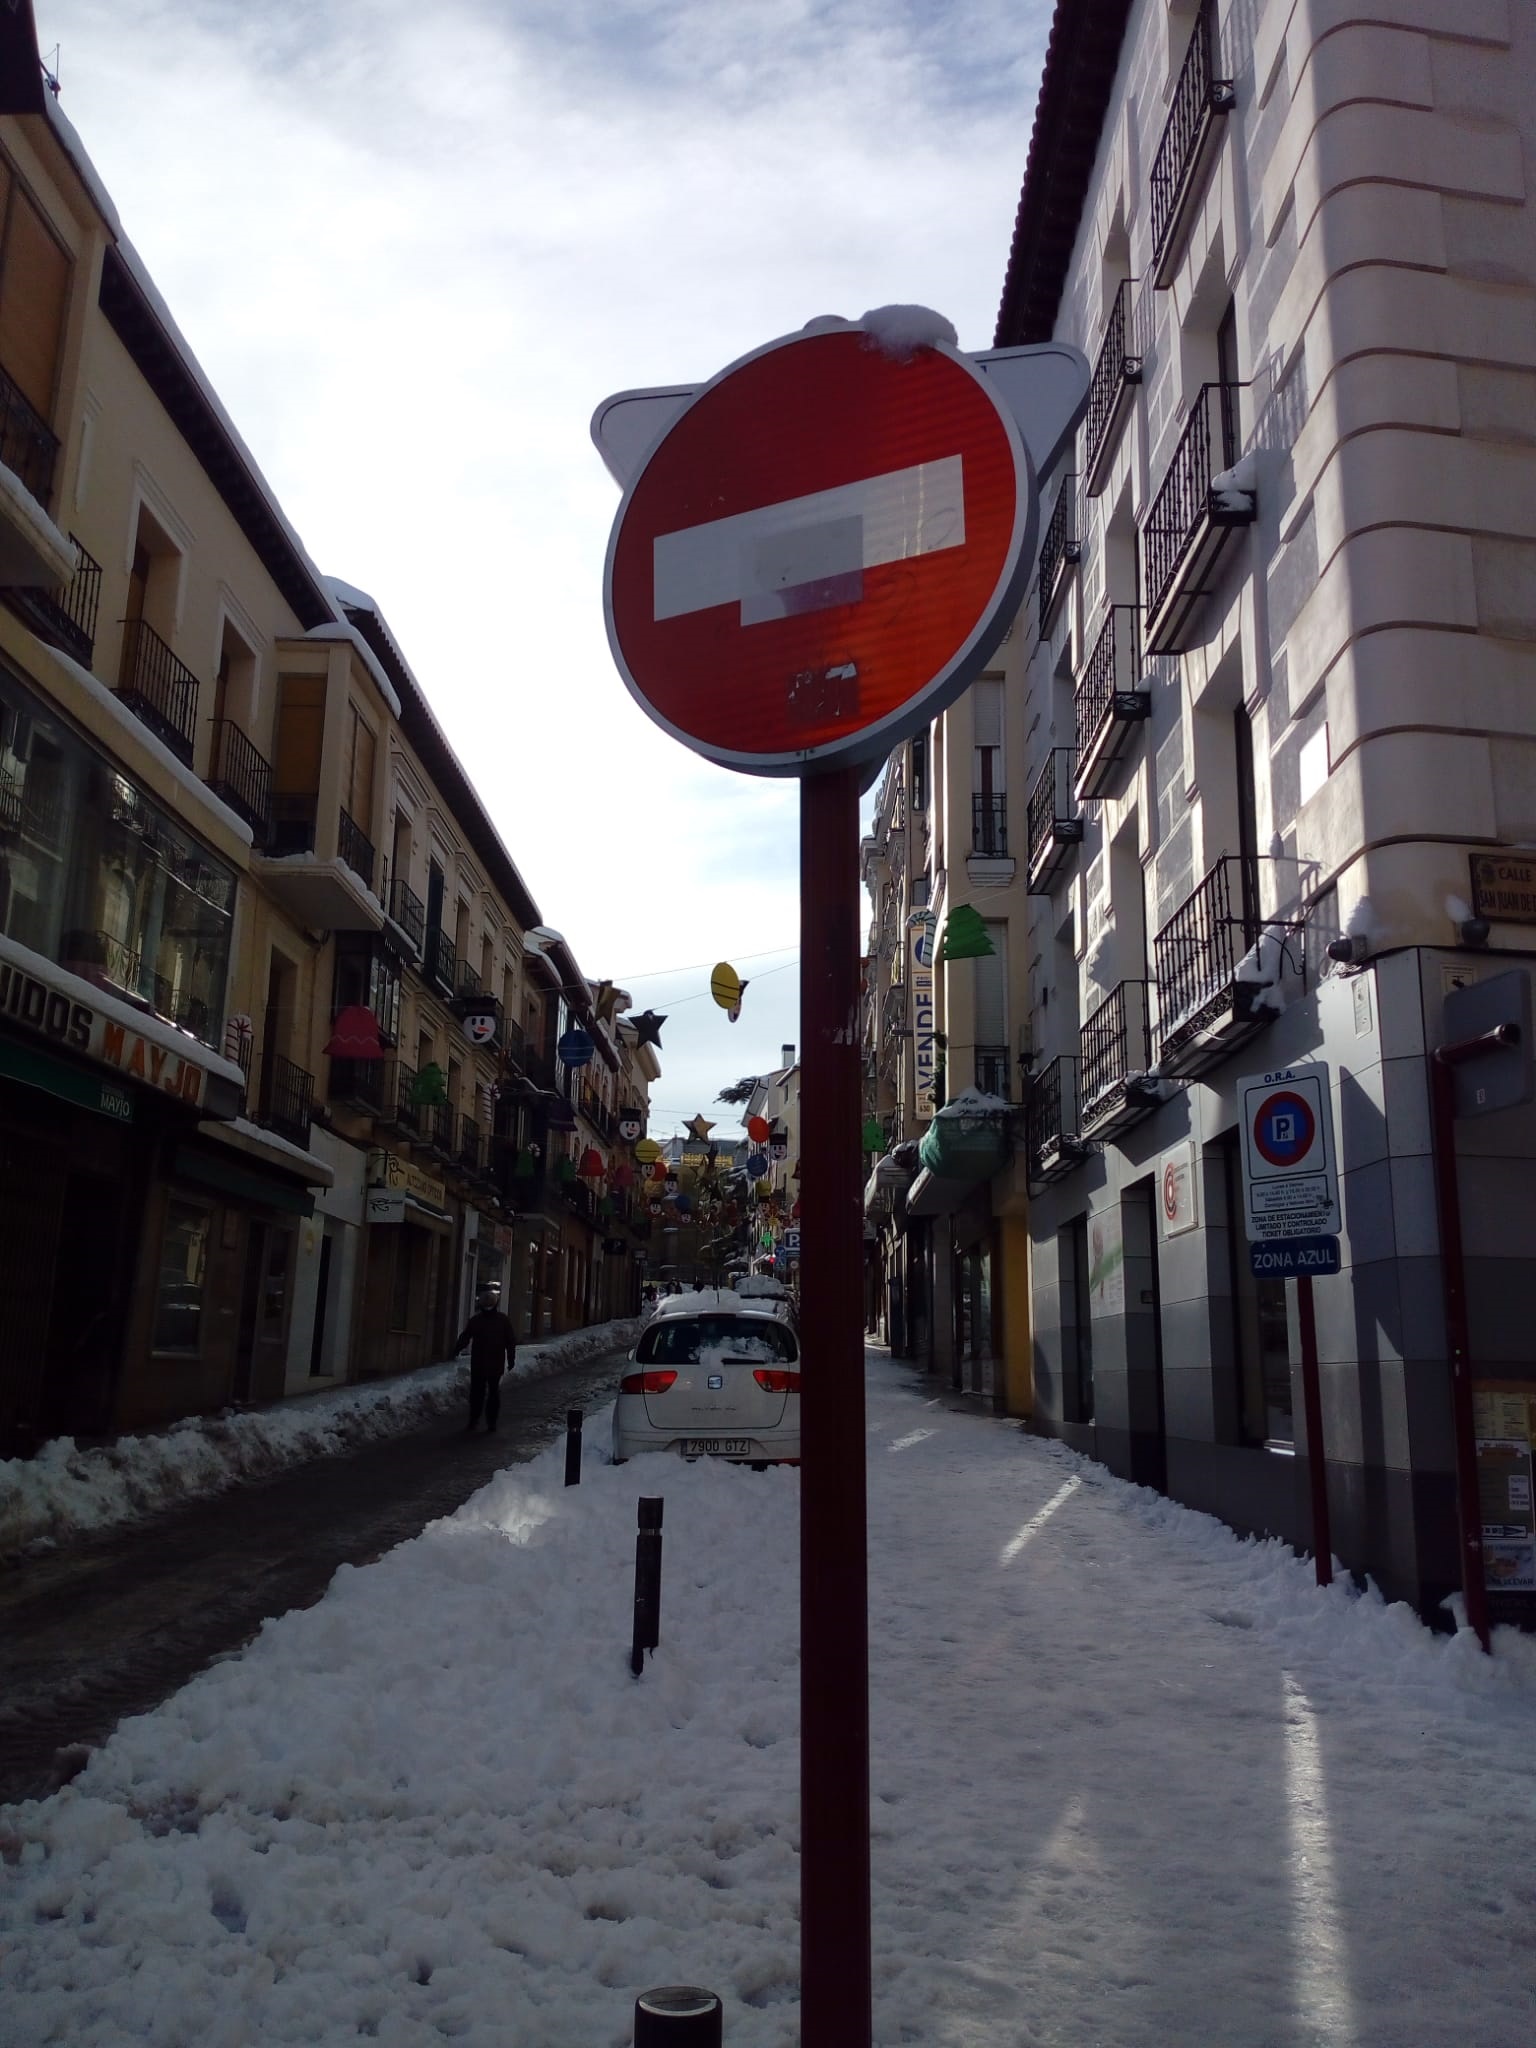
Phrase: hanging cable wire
[688,966]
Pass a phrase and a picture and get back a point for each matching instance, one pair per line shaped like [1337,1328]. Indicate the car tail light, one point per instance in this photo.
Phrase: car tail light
[646,1382]
[776,1382]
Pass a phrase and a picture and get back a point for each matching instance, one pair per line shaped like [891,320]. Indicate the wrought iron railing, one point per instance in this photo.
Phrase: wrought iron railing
[467,979]
[287,1099]
[435,1125]
[471,1147]
[241,775]
[994,1071]
[441,961]
[100,958]
[1198,949]
[402,1100]
[1062,545]
[28,445]
[355,847]
[368,1083]
[67,617]
[11,803]
[1198,95]
[1207,446]
[989,824]
[408,911]
[1115,1042]
[1111,667]
[1118,366]
[158,687]
[1052,1111]
[513,1041]
[1052,810]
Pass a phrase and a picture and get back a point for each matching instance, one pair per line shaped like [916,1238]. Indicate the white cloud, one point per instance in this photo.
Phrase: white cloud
[415,248]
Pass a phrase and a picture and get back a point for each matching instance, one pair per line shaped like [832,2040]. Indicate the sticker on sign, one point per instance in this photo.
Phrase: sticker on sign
[1290,1179]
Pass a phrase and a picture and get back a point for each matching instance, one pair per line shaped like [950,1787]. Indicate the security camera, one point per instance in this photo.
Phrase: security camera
[1473,931]
[1349,951]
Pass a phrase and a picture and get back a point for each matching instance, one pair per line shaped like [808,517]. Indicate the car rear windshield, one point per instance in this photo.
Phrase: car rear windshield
[681,1339]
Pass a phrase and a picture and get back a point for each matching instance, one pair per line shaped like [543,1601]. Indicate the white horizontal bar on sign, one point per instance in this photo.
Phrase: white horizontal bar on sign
[828,538]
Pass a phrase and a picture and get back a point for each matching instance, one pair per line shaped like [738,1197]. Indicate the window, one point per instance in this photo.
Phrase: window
[987,714]
[679,1340]
[367,974]
[183,1267]
[34,296]
[97,877]
[358,801]
[1262,1327]
[1076,1321]
[920,772]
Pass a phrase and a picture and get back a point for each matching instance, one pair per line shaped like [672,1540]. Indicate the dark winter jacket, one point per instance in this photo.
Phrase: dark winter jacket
[489,1335]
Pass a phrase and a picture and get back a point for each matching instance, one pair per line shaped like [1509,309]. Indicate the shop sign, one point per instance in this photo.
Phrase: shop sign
[1504,887]
[386,1205]
[1504,1426]
[388,1170]
[1176,1188]
[57,1017]
[923,1042]
[501,1237]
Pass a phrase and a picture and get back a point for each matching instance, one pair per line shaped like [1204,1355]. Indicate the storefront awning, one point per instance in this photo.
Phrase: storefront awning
[267,1191]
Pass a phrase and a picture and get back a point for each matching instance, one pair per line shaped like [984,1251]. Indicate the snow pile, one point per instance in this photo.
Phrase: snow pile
[1134,1782]
[1234,488]
[900,331]
[66,1492]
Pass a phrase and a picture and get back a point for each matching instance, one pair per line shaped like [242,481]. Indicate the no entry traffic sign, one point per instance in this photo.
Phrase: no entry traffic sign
[1290,1185]
[823,545]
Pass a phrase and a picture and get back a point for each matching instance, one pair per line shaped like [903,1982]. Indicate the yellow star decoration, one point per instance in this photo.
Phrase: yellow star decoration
[700,1129]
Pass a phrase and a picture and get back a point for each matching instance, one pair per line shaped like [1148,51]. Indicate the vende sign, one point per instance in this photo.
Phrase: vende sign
[826,541]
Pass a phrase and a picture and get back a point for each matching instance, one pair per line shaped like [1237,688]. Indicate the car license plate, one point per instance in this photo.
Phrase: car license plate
[716,1446]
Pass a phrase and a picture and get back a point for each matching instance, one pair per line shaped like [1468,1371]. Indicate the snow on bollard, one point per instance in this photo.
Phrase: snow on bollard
[573,1447]
[678,2016]
[647,1582]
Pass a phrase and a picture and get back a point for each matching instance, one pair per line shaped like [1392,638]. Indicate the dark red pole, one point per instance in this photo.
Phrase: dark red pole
[835,1976]
[1312,1408]
[1458,1337]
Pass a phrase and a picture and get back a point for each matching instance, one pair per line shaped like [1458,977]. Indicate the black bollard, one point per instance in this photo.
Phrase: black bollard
[678,2016]
[573,1447]
[647,1582]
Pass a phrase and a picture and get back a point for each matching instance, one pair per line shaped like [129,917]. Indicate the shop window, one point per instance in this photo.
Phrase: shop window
[183,1268]
[97,877]
[1264,1348]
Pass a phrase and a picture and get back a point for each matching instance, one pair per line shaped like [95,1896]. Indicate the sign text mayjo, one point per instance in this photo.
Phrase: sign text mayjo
[54,1014]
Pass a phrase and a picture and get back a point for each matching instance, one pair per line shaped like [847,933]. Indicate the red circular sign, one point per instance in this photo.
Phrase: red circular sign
[1283,1128]
[820,552]
[1171,1191]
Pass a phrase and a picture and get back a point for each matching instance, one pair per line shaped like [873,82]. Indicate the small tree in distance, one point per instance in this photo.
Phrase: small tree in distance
[739,1091]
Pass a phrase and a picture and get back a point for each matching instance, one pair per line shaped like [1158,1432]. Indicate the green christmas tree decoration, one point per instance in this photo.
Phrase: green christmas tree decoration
[430,1086]
[874,1134]
[965,935]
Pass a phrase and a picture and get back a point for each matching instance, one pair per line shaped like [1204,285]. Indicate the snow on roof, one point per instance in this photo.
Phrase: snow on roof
[343,629]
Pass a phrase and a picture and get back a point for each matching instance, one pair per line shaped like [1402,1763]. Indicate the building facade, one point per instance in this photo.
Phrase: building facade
[1276,697]
[271,1051]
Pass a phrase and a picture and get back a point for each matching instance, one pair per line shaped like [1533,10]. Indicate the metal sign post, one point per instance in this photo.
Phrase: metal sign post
[1291,1212]
[816,552]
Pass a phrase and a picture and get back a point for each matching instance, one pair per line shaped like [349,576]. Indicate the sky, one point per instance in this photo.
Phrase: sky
[414,248]
[1134,1781]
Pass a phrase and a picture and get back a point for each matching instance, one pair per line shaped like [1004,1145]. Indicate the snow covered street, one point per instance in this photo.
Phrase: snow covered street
[1135,1783]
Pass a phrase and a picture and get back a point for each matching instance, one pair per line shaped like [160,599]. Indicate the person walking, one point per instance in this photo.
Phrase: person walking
[492,1346]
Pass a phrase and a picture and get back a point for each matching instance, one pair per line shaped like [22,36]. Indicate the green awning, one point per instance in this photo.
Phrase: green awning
[269,1191]
[35,1068]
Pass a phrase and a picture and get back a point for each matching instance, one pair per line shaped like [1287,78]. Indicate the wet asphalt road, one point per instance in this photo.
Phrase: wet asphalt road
[111,1627]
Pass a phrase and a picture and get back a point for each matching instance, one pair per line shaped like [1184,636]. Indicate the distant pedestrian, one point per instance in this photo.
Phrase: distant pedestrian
[492,1347]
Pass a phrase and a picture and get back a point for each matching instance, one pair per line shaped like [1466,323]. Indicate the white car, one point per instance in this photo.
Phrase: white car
[712,1376]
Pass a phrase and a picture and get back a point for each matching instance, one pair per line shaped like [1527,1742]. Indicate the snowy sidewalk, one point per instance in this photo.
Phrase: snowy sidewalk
[1136,1784]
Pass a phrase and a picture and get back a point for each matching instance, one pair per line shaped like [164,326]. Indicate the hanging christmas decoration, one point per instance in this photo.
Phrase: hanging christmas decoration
[699,1128]
[591,1167]
[355,1035]
[575,1047]
[605,1000]
[478,1015]
[758,1129]
[621,1175]
[631,1124]
[965,935]
[648,1028]
[525,1164]
[874,1134]
[726,985]
[565,1167]
[778,1148]
[671,1180]
[429,1087]
[684,1206]
[654,1207]
[658,1171]
[647,1151]
[757,1164]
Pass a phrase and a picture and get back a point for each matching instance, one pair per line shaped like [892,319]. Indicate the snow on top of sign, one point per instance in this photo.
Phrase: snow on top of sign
[900,331]
[146,1025]
[1457,909]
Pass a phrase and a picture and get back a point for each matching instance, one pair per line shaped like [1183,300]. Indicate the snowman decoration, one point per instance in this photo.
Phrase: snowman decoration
[631,1124]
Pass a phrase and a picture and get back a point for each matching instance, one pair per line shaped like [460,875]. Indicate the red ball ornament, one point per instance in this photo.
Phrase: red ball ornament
[757,1129]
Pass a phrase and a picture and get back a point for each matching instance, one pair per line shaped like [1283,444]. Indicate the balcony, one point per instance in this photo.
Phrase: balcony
[29,448]
[1116,1088]
[1191,136]
[1055,1144]
[437,1126]
[367,1085]
[397,1107]
[440,963]
[467,981]
[1204,1010]
[158,688]
[328,894]
[355,847]
[408,913]
[1205,496]
[286,1100]
[65,618]
[994,1071]
[241,776]
[989,826]
[1055,822]
[1061,550]
[1110,703]
[469,1152]
[1115,377]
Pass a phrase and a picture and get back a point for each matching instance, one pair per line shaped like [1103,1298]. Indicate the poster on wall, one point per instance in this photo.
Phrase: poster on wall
[1176,1188]
[1106,1263]
[1504,1425]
